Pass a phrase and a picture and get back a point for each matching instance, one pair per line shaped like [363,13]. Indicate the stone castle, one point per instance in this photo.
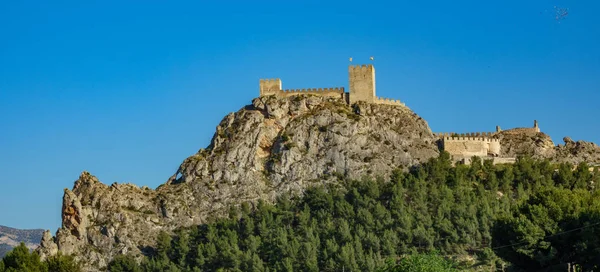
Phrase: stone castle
[463,146]
[361,82]
[362,88]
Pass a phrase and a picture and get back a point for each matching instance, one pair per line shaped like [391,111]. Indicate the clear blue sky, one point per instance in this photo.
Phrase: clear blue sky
[128,89]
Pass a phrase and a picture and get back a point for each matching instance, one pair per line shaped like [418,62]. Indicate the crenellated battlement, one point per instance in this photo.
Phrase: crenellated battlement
[387,101]
[362,89]
[463,135]
[474,139]
[482,144]
[270,80]
[273,86]
[315,90]
[336,92]
[361,68]
[361,83]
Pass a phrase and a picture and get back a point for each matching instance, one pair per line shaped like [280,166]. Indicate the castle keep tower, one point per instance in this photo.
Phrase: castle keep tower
[362,83]
[269,86]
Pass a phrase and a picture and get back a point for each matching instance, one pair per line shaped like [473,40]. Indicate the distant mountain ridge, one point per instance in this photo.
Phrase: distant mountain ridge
[11,237]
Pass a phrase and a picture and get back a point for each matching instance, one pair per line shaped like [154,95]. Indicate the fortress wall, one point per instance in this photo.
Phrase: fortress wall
[466,148]
[470,134]
[467,161]
[273,87]
[504,160]
[521,131]
[328,92]
[494,147]
[471,146]
[525,130]
[470,139]
[387,101]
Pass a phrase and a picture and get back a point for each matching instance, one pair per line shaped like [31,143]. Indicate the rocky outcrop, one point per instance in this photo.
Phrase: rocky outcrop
[265,149]
[539,145]
[575,152]
[100,221]
[48,246]
[290,141]
[525,142]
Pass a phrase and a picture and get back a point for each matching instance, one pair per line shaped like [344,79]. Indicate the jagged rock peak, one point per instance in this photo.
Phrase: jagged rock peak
[85,180]
[568,140]
[540,146]
[303,138]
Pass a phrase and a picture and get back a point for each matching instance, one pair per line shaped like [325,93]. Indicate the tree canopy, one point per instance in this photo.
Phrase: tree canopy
[527,216]
[553,228]
[394,223]
[21,259]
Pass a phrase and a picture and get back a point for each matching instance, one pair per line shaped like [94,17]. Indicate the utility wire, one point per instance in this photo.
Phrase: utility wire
[556,234]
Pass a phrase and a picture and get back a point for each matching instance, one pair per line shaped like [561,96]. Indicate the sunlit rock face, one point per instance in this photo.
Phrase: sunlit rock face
[272,146]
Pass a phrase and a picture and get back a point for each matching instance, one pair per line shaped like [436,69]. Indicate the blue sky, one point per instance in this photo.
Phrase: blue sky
[128,89]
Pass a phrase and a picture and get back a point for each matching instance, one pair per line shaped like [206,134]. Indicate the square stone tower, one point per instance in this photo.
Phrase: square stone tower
[269,86]
[536,127]
[362,83]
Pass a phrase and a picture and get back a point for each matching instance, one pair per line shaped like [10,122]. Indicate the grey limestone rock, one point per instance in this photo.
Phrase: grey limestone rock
[268,148]
[48,245]
[540,146]
[531,143]
[271,147]
[575,152]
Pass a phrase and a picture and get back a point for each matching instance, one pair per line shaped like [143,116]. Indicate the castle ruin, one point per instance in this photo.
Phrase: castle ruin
[471,144]
[363,89]
[480,144]
[361,81]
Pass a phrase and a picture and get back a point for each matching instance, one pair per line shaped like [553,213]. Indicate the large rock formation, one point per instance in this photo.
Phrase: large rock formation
[265,149]
[525,142]
[539,145]
[576,152]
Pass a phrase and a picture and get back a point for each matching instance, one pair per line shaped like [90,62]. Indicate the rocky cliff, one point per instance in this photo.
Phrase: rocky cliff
[576,152]
[265,149]
[540,145]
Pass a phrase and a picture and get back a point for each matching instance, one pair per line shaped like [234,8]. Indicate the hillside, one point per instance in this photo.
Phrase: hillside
[10,237]
[270,147]
[267,149]
[358,225]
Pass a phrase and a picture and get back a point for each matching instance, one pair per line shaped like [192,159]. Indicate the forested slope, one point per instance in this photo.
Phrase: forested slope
[359,225]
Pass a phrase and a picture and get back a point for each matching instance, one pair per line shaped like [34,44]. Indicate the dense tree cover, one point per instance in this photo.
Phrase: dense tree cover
[533,214]
[363,225]
[420,262]
[551,229]
[124,263]
[20,259]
